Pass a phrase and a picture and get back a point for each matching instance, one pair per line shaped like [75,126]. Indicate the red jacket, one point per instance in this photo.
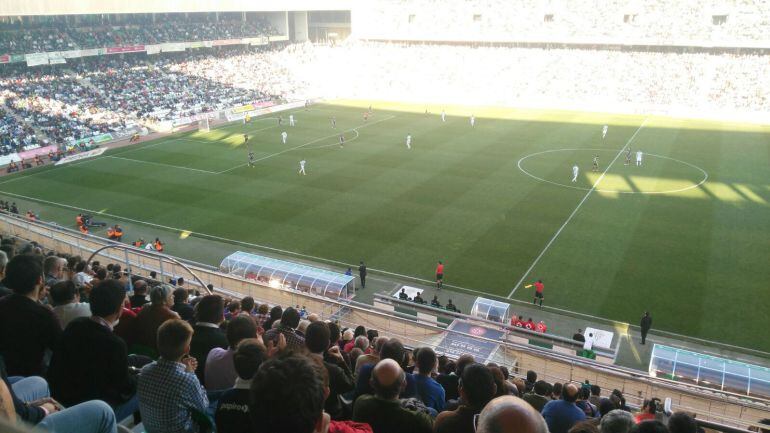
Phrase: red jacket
[349,427]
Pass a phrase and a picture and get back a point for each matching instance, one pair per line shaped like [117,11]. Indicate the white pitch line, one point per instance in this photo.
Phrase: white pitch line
[161,164]
[305,144]
[569,218]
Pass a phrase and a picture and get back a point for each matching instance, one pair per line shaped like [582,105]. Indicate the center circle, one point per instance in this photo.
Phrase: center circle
[703,175]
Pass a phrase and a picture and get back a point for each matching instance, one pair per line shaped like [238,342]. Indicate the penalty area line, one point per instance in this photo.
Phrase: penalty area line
[574,211]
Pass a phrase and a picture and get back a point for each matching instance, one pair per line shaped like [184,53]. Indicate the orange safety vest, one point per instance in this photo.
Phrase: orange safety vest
[158,246]
[137,243]
[84,230]
[79,220]
[118,233]
[110,233]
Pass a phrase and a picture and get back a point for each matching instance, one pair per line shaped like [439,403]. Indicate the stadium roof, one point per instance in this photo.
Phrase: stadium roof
[57,7]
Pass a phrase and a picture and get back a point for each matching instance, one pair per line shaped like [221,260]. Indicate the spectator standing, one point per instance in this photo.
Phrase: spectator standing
[182,306]
[596,395]
[232,414]
[23,347]
[66,302]
[538,396]
[263,313]
[340,377]
[247,305]
[362,273]
[220,371]
[477,388]
[288,325]
[169,393]
[383,410]
[529,384]
[682,422]
[91,362]
[646,324]
[562,414]
[209,314]
[428,390]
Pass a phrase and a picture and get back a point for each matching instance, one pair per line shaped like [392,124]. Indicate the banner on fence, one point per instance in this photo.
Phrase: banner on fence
[7,159]
[172,47]
[35,152]
[101,138]
[221,42]
[5,58]
[81,156]
[56,58]
[153,49]
[125,49]
[457,344]
[260,109]
[37,59]
[194,118]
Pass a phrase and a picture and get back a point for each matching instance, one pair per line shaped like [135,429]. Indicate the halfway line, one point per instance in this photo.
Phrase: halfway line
[569,218]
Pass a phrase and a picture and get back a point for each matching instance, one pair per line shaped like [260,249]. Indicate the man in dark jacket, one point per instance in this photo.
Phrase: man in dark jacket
[209,314]
[90,361]
[181,306]
[23,347]
[340,377]
[537,398]
[362,274]
[645,324]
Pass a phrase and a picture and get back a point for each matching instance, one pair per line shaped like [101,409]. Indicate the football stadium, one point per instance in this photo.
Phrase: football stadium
[494,217]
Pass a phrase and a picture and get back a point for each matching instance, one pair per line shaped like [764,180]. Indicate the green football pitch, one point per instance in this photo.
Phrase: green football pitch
[686,235]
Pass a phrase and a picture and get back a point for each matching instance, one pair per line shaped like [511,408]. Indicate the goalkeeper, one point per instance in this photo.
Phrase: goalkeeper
[538,292]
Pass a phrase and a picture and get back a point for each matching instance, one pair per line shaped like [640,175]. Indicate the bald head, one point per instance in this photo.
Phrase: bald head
[509,414]
[388,379]
[570,392]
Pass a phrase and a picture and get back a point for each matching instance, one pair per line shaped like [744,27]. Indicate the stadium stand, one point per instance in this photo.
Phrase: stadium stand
[64,38]
[647,22]
[391,344]
[309,386]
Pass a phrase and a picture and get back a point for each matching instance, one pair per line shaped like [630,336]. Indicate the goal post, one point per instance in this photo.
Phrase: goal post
[203,125]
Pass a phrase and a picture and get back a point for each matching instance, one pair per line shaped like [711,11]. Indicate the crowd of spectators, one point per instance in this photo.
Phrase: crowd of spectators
[513,76]
[650,21]
[110,93]
[70,37]
[103,95]
[182,361]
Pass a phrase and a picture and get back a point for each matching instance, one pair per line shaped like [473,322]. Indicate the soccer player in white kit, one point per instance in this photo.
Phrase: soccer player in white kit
[291,120]
[604,131]
[408,141]
[443,116]
[302,167]
[638,158]
[575,171]
[284,136]
[473,121]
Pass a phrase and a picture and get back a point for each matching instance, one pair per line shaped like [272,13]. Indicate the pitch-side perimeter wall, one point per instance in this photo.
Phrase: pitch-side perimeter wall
[729,409]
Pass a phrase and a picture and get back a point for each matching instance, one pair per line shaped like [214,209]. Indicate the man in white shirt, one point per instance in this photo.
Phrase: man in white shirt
[66,302]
